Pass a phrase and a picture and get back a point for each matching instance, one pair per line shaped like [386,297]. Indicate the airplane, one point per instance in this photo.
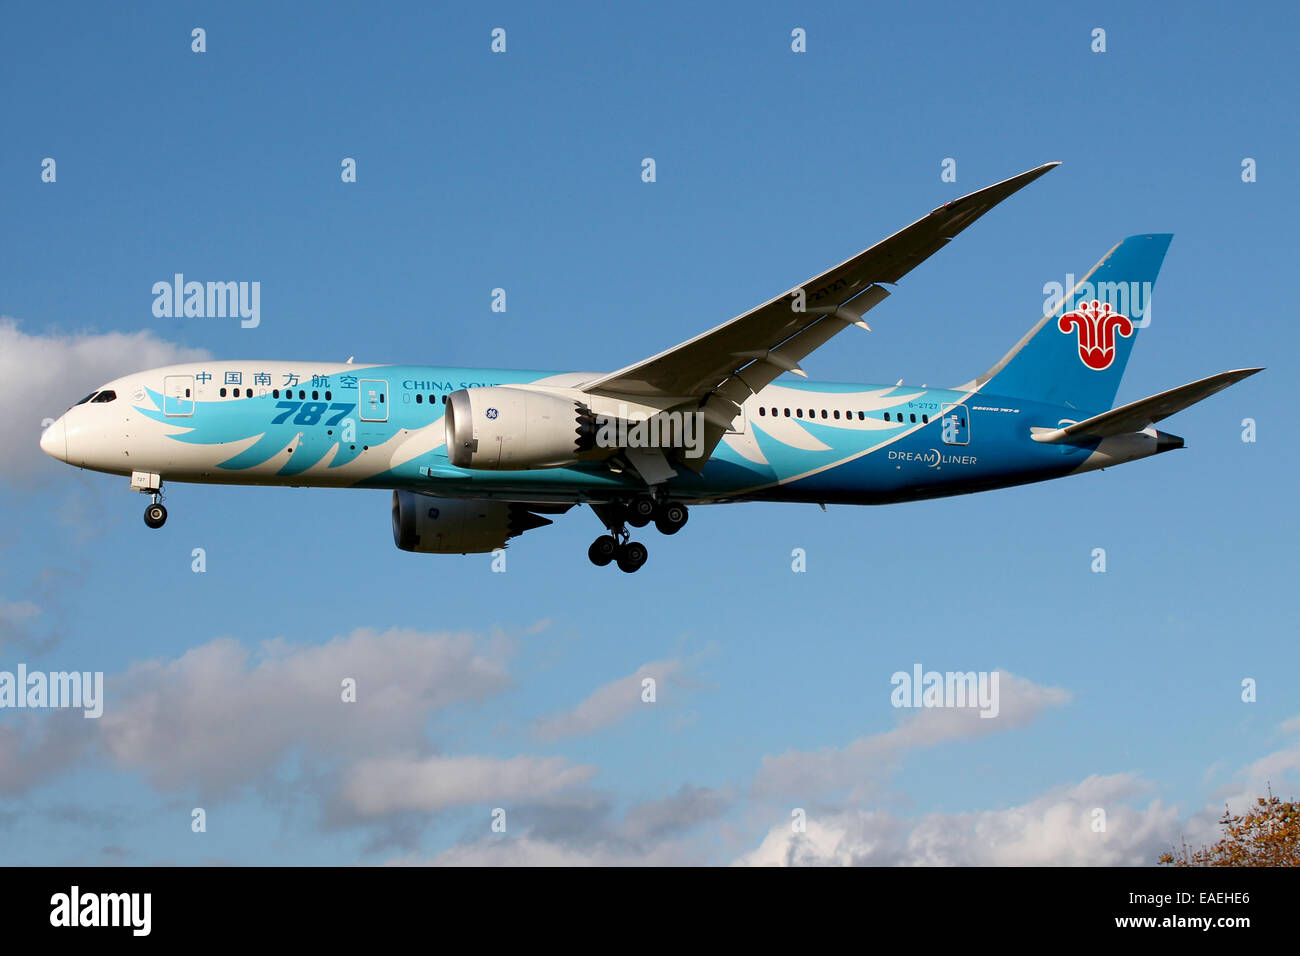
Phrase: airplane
[476,457]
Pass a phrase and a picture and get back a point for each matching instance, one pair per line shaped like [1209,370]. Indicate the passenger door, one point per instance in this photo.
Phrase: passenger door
[372,399]
[955,424]
[178,395]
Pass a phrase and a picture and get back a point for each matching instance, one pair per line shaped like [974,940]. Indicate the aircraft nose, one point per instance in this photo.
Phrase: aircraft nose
[54,440]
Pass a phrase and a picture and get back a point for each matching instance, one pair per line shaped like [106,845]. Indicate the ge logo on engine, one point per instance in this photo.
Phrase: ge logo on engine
[491,413]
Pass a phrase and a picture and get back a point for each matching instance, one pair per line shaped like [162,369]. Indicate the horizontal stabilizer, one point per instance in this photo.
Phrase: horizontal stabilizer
[1136,416]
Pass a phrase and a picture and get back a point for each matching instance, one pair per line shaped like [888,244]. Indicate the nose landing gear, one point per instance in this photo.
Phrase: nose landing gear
[155,516]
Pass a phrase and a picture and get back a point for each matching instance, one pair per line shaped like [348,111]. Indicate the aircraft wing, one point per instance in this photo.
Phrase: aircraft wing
[719,369]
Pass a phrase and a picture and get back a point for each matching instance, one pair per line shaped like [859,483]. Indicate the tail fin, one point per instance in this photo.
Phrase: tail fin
[1076,354]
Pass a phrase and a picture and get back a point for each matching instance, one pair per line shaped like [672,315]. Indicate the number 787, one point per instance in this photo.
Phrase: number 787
[311,412]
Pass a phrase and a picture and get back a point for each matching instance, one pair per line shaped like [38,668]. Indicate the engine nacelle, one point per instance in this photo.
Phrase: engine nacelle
[501,428]
[457,525]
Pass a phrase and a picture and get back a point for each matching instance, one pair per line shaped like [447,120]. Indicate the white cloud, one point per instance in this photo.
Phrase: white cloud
[677,812]
[38,750]
[861,766]
[14,612]
[220,715]
[1290,726]
[15,620]
[1055,829]
[44,374]
[608,705]
[528,850]
[386,785]
[579,832]
[1278,771]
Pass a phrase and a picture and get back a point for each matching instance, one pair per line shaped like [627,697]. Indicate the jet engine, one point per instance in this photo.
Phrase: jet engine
[501,428]
[457,525]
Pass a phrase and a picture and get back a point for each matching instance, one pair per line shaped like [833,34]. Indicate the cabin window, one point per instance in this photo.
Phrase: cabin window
[762,411]
[222,393]
[328,396]
[419,399]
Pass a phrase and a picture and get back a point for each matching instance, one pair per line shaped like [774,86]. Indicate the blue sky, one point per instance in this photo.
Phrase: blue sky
[522,171]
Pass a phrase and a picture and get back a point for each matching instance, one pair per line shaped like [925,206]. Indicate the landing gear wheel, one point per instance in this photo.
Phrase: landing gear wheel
[631,556]
[155,515]
[670,518]
[603,550]
[640,511]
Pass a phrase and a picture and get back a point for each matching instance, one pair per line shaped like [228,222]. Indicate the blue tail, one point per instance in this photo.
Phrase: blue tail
[1076,355]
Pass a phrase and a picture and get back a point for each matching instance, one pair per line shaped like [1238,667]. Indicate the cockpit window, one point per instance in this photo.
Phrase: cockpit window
[86,399]
[107,395]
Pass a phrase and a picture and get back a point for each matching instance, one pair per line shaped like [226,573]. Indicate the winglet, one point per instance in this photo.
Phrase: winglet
[982,200]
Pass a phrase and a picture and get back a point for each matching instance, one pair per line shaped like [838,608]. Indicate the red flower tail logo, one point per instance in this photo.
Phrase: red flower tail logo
[1097,326]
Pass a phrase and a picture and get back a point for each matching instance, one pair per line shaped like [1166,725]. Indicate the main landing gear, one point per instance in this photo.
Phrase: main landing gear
[616,547]
[630,555]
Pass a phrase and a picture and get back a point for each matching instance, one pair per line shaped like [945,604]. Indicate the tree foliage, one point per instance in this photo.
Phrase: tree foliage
[1268,834]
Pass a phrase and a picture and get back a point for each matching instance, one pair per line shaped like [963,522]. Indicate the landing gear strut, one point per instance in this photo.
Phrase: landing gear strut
[615,547]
